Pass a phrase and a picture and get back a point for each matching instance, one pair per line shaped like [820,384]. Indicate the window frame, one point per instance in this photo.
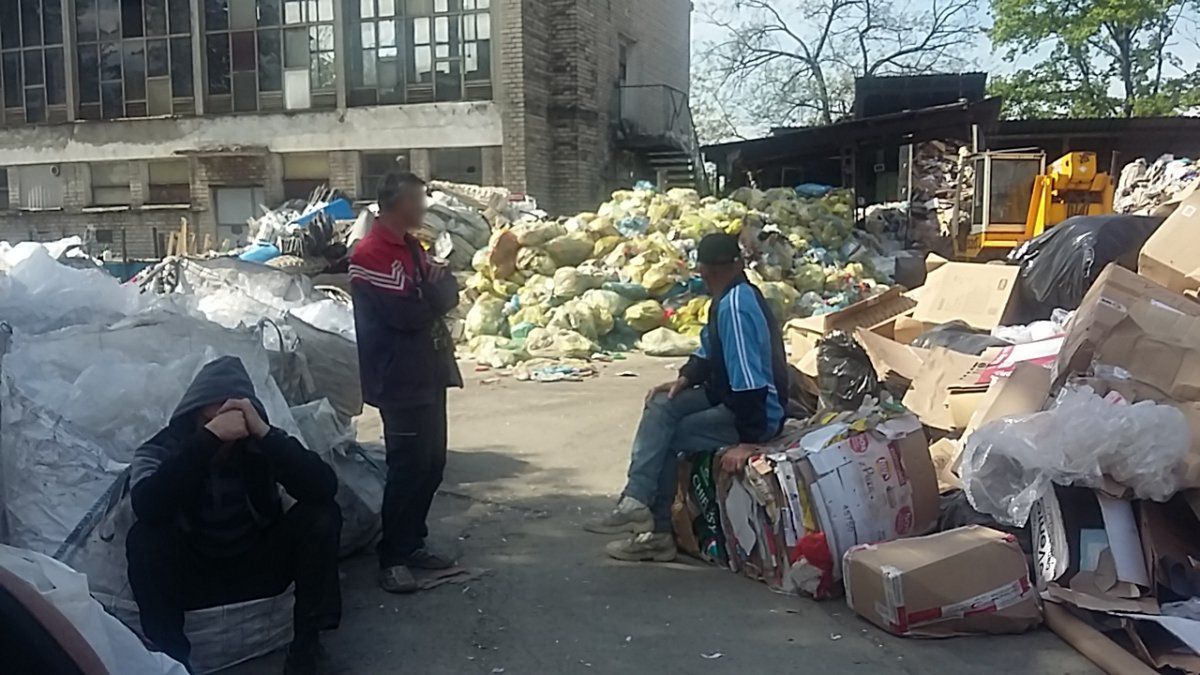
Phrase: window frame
[30,54]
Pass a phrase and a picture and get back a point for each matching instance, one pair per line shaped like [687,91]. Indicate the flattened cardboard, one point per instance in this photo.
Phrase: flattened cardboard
[967,581]
[869,313]
[1022,393]
[979,294]
[1171,256]
[1131,322]
[906,329]
[889,356]
[930,392]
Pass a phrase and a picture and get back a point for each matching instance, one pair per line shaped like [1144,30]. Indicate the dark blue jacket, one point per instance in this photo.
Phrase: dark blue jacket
[405,352]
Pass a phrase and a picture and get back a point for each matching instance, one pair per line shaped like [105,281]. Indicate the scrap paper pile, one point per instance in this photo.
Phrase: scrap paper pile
[1145,188]
[1065,450]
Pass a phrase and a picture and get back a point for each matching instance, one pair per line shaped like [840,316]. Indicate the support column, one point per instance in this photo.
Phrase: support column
[420,163]
[199,79]
[339,52]
[492,172]
[70,59]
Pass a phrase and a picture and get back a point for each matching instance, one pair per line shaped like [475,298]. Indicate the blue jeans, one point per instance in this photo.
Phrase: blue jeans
[687,424]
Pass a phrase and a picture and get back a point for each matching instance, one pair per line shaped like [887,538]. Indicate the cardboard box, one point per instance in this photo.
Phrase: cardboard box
[871,486]
[979,294]
[1171,256]
[1129,321]
[967,581]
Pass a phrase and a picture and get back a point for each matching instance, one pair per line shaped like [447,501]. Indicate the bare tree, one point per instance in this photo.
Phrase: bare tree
[794,61]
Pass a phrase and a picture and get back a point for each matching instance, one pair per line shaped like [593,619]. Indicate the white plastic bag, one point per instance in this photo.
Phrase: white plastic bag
[666,342]
[67,590]
[1010,464]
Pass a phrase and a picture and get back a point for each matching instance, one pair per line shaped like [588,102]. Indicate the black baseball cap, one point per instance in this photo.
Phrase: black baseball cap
[718,249]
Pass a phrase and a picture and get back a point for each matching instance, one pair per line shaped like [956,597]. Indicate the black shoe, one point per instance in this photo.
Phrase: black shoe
[307,658]
[424,559]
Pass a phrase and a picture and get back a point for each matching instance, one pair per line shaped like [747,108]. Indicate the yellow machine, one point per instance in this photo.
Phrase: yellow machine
[1016,198]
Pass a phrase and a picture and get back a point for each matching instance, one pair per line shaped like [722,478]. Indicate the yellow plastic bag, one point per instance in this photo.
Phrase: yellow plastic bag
[645,316]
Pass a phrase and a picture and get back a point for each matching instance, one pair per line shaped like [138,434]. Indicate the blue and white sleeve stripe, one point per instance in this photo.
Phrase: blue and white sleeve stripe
[746,341]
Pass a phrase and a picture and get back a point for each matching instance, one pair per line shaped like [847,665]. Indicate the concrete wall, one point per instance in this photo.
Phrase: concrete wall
[433,125]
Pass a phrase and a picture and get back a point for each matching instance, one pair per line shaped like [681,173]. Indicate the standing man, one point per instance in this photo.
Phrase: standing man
[731,392]
[406,362]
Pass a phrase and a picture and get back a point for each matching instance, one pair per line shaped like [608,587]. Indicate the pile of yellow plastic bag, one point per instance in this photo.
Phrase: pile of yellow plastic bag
[607,280]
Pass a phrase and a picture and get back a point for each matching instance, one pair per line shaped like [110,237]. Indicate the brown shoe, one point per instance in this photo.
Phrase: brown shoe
[424,559]
[397,579]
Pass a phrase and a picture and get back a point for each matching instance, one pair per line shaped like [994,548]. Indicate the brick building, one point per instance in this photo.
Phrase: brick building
[122,117]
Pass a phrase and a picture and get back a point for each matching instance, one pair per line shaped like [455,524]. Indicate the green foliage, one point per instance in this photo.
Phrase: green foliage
[1102,58]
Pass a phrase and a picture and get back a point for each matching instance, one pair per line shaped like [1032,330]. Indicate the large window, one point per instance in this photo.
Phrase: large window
[418,51]
[170,182]
[376,165]
[135,58]
[110,183]
[269,54]
[31,62]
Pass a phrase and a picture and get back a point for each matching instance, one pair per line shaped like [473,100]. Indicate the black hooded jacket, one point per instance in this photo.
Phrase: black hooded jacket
[222,509]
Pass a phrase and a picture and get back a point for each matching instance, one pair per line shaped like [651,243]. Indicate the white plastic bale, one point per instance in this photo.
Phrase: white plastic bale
[118,648]
[38,294]
[74,405]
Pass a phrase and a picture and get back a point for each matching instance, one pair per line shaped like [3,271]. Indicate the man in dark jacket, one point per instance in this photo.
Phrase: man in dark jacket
[731,392]
[211,529]
[406,363]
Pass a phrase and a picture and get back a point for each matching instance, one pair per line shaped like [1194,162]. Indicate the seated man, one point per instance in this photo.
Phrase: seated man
[732,392]
[211,529]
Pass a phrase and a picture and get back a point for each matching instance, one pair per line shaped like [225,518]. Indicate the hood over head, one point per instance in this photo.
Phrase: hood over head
[218,381]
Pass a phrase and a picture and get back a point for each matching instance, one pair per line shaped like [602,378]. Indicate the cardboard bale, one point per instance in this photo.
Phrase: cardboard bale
[967,581]
[1129,321]
[979,294]
[870,484]
[1171,256]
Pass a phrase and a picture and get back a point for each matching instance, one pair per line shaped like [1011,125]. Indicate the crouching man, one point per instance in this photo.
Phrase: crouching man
[731,392]
[211,529]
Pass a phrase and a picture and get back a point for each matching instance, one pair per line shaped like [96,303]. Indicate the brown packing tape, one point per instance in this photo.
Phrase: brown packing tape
[1098,649]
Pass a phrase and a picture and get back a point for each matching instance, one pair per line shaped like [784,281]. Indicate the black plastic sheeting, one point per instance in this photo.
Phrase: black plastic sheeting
[1059,266]
[845,375]
[958,336]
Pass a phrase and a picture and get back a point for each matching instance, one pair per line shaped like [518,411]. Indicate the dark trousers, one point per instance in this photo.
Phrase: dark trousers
[415,439]
[169,577]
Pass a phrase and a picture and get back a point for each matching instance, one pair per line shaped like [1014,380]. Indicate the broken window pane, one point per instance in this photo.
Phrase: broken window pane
[181,67]
[56,80]
[323,38]
[89,74]
[131,18]
[218,63]
[370,76]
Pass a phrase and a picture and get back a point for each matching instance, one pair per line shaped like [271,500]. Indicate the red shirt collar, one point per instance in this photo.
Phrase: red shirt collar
[385,233]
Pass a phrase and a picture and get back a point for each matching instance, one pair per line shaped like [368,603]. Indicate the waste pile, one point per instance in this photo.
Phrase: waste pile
[938,171]
[623,276]
[301,236]
[93,368]
[1145,188]
[966,473]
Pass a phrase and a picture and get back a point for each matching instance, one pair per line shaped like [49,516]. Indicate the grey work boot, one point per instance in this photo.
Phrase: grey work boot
[644,547]
[630,516]
[397,579]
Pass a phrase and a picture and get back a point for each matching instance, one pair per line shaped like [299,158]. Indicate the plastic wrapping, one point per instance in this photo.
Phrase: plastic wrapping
[845,375]
[958,336]
[1036,331]
[1060,265]
[119,649]
[1011,463]
[666,342]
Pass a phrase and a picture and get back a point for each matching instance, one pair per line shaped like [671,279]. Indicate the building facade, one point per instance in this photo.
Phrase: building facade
[122,118]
